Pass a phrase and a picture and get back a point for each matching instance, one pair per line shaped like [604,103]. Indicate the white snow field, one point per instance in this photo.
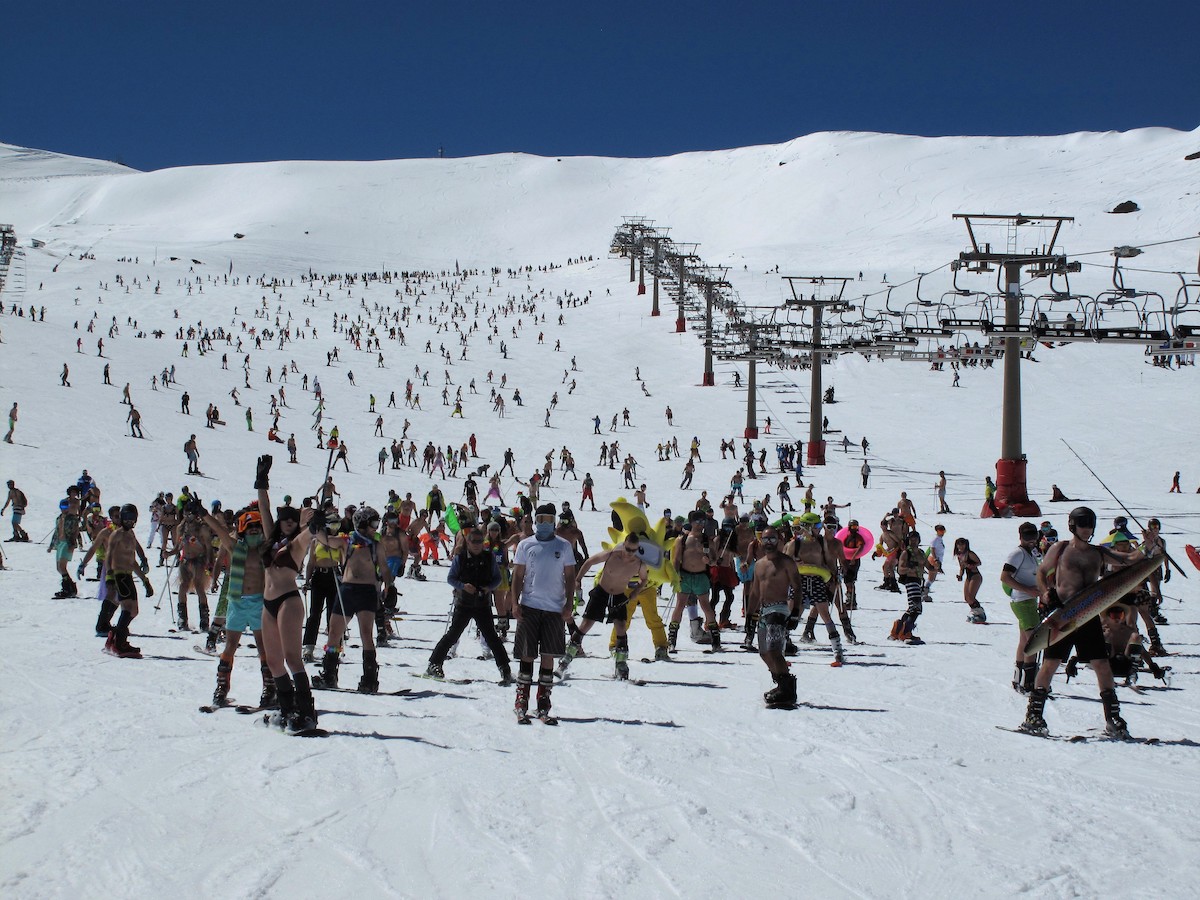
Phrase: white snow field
[890,780]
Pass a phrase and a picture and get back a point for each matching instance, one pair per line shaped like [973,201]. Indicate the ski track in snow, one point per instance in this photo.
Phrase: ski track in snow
[890,779]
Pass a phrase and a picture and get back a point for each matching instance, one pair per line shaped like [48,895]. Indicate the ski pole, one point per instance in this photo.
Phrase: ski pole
[1166,555]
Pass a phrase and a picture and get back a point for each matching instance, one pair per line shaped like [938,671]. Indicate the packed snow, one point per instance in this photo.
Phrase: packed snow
[890,779]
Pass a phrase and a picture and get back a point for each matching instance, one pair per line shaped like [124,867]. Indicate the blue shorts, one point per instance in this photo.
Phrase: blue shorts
[244,613]
[395,565]
[63,550]
[17,516]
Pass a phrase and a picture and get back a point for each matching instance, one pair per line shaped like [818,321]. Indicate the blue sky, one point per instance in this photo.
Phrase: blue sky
[164,84]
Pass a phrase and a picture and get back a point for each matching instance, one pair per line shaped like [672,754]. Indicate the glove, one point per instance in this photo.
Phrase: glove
[79,571]
[264,469]
[149,589]
[1167,576]
[145,567]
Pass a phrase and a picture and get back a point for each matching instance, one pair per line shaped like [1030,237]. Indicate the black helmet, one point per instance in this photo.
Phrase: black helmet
[1081,516]
[363,517]
[129,515]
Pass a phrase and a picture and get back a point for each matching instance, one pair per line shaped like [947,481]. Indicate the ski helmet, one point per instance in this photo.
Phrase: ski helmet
[1081,516]
[810,518]
[914,536]
[363,517]
[129,515]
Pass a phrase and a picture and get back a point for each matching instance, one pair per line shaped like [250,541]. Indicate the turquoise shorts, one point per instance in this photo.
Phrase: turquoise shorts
[63,550]
[245,613]
[694,583]
[1026,612]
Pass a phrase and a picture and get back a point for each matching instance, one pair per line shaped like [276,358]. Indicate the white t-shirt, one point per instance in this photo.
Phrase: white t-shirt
[1025,564]
[938,546]
[544,562]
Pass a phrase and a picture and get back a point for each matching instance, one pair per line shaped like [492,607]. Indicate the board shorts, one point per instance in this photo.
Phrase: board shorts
[395,565]
[813,590]
[356,598]
[850,571]
[245,612]
[1026,612]
[695,583]
[123,586]
[539,631]
[605,607]
[63,550]
[17,515]
[772,628]
[1087,639]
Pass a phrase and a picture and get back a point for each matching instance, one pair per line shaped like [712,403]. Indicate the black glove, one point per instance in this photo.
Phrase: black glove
[264,469]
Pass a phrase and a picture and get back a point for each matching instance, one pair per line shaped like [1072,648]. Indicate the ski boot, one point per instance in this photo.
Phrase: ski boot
[846,627]
[545,684]
[270,691]
[714,637]
[898,629]
[369,682]
[1114,725]
[110,645]
[568,658]
[204,623]
[751,628]
[502,628]
[1034,722]
[285,690]
[521,706]
[506,676]
[1023,677]
[699,634]
[309,654]
[835,641]
[433,670]
[661,654]
[304,717]
[329,669]
[382,638]
[181,612]
[977,616]
[672,635]
[808,635]
[771,696]
[621,665]
[224,674]
[1156,647]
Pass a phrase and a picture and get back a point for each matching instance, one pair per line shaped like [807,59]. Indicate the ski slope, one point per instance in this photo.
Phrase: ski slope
[891,779]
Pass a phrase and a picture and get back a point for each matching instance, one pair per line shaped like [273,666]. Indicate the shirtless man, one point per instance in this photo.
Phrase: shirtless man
[393,547]
[194,540]
[168,520]
[940,487]
[907,511]
[125,558]
[692,559]
[771,600]
[623,576]
[1069,567]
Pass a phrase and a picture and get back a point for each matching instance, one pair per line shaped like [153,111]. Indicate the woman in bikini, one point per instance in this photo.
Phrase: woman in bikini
[283,553]
[968,570]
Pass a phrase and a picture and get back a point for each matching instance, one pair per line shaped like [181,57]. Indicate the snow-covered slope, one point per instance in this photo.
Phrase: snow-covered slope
[890,780]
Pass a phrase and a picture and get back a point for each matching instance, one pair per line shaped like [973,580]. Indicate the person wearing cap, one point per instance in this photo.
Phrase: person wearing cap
[1068,568]
[17,499]
[68,535]
[240,605]
[940,487]
[937,553]
[911,566]
[1018,575]
[543,574]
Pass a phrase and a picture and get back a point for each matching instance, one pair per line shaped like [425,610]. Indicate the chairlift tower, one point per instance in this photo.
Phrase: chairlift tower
[711,279]
[816,435]
[681,276]
[1012,491]
[755,352]
[656,241]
